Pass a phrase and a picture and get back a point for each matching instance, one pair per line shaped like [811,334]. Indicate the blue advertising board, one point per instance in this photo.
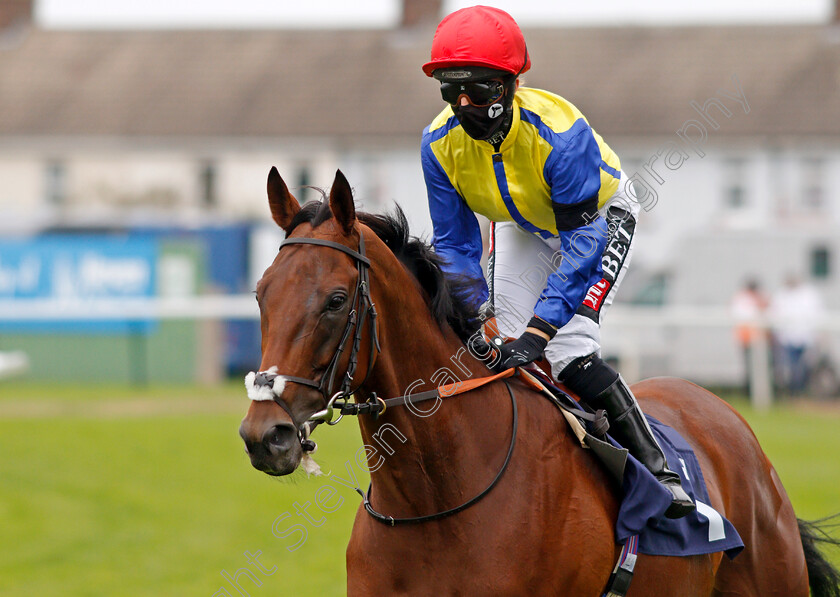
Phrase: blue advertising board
[227,249]
[78,268]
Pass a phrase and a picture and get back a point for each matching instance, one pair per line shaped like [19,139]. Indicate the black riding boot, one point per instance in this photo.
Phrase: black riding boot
[630,428]
[599,386]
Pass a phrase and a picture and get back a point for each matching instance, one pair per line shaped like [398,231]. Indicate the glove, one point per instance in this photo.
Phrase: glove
[483,350]
[525,349]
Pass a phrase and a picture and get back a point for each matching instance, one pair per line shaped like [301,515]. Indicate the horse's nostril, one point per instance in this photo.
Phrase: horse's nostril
[280,437]
[253,449]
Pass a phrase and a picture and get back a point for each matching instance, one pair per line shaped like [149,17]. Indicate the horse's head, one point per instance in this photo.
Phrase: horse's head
[314,311]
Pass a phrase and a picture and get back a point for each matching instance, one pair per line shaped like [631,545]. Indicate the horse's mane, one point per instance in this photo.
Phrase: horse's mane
[452,299]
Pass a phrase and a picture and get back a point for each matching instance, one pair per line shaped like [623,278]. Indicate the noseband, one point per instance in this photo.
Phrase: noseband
[362,310]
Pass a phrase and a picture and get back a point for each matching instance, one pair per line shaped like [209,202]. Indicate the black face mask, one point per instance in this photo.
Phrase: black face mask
[488,123]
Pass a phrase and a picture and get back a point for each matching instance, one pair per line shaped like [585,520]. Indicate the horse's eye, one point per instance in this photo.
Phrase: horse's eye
[336,302]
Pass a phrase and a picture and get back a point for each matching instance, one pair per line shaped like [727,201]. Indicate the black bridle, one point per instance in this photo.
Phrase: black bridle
[362,309]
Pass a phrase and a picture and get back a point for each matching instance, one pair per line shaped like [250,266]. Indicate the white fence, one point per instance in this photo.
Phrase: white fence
[706,333]
[204,307]
[627,330]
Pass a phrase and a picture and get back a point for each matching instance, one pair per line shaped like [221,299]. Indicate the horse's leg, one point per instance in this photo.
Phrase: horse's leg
[358,569]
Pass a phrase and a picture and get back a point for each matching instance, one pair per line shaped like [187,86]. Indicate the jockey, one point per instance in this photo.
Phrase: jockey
[562,217]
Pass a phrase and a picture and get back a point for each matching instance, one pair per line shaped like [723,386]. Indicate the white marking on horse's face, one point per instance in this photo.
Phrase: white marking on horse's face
[265,393]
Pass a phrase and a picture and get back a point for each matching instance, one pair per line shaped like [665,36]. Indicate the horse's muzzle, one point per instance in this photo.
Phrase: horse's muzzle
[275,450]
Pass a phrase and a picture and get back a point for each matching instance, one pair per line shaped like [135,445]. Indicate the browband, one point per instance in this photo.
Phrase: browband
[326,243]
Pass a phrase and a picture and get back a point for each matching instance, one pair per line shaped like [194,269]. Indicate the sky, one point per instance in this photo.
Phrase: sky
[386,13]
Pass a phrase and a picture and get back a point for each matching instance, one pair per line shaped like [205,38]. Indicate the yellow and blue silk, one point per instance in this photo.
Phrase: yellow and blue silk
[551,162]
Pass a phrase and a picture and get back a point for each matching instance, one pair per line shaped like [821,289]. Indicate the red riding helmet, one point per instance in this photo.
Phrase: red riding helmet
[479,36]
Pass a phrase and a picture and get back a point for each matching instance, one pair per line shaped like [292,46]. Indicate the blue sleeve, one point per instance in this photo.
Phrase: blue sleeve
[574,173]
[457,235]
[579,269]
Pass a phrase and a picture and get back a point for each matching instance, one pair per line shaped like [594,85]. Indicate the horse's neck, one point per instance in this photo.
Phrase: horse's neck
[414,345]
[419,456]
[422,357]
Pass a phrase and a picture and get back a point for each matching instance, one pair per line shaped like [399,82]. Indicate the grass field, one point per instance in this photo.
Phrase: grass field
[109,491]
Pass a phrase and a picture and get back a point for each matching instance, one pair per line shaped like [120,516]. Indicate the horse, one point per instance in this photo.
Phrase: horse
[352,304]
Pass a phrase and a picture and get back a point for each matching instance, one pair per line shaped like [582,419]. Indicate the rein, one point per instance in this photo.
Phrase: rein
[391,521]
[362,309]
[376,405]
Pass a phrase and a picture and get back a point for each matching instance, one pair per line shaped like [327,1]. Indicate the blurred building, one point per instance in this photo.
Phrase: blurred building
[732,134]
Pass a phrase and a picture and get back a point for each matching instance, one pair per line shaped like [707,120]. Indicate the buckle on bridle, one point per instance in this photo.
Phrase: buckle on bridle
[326,415]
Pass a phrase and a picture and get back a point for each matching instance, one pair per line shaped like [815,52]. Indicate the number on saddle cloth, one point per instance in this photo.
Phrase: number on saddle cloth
[704,531]
[644,500]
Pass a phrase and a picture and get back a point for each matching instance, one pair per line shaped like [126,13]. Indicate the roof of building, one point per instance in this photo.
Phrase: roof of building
[633,81]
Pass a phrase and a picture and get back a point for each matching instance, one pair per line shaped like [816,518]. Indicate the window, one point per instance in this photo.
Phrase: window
[812,188]
[734,190]
[208,185]
[304,193]
[820,262]
[55,183]
[654,291]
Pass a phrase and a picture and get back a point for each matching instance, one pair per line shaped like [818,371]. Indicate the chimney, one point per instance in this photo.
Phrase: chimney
[419,12]
[15,12]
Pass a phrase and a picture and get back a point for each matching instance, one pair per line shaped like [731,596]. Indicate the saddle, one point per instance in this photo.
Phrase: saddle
[640,526]
[589,427]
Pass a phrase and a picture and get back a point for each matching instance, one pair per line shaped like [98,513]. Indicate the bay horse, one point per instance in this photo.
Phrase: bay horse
[352,295]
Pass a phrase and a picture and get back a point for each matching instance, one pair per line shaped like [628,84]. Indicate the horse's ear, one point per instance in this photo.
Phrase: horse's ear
[341,202]
[283,204]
